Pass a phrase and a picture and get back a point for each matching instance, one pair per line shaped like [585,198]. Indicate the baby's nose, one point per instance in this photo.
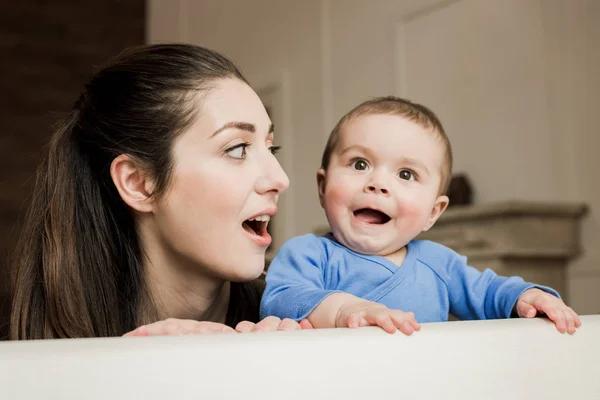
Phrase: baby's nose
[377,188]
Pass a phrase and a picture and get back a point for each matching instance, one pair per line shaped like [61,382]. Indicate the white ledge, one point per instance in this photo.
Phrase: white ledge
[504,359]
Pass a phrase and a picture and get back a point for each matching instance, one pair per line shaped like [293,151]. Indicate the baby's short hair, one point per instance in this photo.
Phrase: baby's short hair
[391,105]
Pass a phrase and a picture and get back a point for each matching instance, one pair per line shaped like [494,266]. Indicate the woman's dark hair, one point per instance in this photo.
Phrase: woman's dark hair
[78,266]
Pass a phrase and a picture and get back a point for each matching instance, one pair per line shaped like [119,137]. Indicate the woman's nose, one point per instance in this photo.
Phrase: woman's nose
[273,177]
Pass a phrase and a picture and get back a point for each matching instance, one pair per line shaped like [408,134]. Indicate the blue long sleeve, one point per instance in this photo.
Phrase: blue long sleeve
[295,284]
[483,295]
[432,281]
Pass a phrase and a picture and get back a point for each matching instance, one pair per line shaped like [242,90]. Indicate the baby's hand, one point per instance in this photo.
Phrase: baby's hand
[367,313]
[535,301]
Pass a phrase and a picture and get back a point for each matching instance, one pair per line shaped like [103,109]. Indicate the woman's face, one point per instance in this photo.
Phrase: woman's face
[225,186]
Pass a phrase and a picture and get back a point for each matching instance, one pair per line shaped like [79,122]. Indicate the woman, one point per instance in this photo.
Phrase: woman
[152,204]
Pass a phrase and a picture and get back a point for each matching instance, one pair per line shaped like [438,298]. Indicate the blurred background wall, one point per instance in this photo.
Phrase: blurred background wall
[513,81]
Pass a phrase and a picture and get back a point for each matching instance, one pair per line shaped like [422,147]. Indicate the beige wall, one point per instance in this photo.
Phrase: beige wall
[514,82]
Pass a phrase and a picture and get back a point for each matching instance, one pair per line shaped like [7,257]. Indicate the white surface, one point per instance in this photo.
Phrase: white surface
[509,359]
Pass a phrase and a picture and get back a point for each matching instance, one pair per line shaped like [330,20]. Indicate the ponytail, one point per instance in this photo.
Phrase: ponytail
[71,277]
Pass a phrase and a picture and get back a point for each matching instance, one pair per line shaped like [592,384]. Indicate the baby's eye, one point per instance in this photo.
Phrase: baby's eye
[238,151]
[407,175]
[360,165]
[274,149]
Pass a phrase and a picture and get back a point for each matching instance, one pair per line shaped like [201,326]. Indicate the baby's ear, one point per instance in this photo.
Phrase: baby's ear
[321,185]
[438,209]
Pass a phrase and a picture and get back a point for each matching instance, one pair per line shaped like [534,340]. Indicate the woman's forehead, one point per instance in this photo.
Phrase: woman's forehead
[229,107]
[233,100]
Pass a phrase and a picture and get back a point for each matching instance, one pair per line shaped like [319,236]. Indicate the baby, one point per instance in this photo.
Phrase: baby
[385,169]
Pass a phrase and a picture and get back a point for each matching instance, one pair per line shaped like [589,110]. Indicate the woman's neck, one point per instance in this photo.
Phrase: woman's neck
[199,301]
[179,288]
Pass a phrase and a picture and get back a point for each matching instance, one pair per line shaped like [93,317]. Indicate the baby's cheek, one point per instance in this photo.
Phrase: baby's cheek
[336,197]
[335,206]
[414,213]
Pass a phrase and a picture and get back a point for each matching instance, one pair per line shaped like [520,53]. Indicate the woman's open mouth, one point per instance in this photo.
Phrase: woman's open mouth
[370,216]
[257,229]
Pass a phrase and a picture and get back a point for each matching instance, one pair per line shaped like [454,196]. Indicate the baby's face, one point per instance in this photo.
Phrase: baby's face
[382,185]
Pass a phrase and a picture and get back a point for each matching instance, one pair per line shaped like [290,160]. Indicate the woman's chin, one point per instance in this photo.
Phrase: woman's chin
[245,278]
[248,271]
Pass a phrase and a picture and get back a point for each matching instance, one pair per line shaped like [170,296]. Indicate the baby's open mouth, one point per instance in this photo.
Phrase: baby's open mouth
[371,216]
[257,225]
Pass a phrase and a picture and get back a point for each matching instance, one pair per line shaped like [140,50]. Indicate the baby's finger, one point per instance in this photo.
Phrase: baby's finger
[558,317]
[413,321]
[384,320]
[405,322]
[415,325]
[572,315]
[546,303]
[526,310]
[406,328]
[354,320]
[576,319]
[570,323]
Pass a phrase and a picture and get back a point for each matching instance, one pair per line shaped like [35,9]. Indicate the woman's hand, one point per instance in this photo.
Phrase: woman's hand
[270,324]
[173,327]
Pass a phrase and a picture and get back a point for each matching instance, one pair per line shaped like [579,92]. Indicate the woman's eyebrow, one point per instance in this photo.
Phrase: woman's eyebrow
[244,126]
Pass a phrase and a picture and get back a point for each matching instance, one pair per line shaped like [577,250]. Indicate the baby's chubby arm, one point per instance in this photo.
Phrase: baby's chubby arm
[340,310]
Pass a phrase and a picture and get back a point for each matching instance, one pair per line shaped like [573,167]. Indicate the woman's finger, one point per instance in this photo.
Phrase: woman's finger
[288,324]
[245,327]
[268,324]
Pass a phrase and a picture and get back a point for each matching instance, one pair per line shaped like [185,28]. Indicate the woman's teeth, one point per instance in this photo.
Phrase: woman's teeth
[261,218]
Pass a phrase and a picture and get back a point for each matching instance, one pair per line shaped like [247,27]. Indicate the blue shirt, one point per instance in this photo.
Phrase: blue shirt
[432,282]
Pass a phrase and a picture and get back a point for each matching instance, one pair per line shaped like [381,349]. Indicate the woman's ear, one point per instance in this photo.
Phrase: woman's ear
[439,207]
[321,185]
[133,183]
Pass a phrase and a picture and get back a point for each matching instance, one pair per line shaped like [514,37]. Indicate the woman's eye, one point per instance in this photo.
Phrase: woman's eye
[360,165]
[238,151]
[406,175]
